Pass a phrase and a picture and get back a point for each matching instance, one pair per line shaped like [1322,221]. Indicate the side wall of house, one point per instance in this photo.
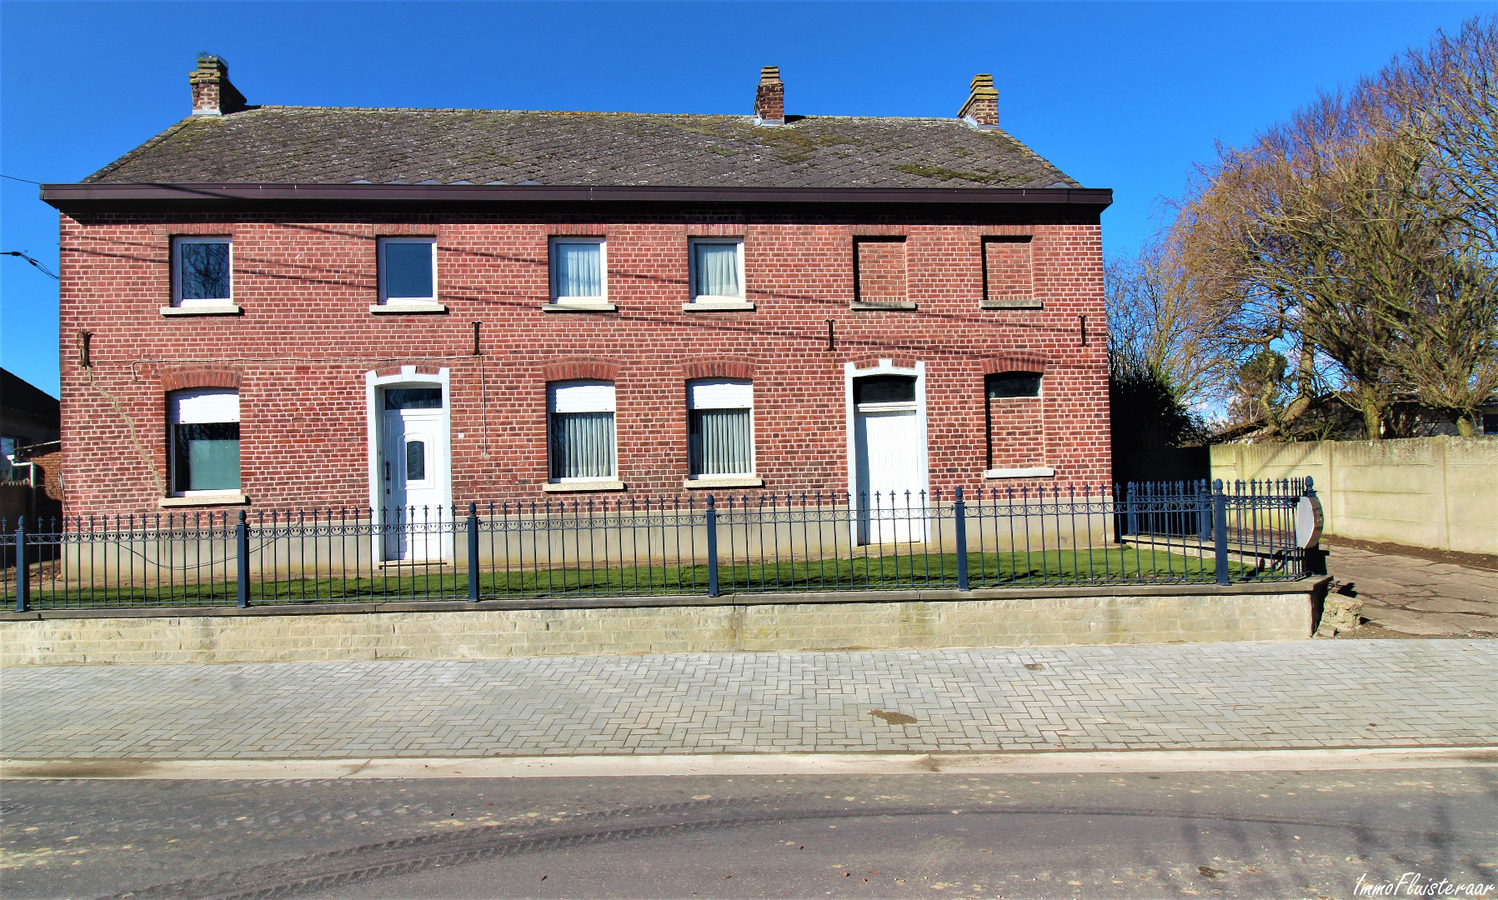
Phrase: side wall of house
[300,351]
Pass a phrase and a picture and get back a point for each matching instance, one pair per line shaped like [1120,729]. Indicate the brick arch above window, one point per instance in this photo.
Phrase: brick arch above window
[874,362]
[1015,362]
[387,371]
[576,369]
[718,368]
[183,379]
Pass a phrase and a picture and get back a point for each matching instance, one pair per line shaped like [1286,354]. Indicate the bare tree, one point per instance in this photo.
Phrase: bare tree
[1446,100]
[1357,239]
[1153,327]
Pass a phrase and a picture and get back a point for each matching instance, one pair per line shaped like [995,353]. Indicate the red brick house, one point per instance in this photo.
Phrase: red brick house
[291,307]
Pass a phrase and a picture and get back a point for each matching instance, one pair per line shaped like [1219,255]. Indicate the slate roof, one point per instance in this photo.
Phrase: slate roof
[320,145]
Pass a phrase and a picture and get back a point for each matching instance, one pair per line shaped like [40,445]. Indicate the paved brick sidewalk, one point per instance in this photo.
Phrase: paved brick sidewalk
[1203,696]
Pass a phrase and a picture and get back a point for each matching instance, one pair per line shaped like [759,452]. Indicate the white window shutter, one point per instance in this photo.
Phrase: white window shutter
[207,406]
[580,397]
[720,393]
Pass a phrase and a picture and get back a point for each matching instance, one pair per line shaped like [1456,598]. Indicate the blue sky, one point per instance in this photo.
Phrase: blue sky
[1121,95]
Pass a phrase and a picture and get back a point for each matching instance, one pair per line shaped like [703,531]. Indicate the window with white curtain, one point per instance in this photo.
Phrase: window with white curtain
[579,270]
[581,420]
[717,270]
[204,440]
[720,429]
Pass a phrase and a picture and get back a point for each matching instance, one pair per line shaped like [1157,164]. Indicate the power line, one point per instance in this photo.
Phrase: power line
[45,271]
[14,178]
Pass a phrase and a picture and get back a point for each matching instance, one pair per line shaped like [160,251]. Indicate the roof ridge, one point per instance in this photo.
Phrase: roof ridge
[790,121]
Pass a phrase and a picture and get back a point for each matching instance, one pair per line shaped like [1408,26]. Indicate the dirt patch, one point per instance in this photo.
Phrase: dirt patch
[893,718]
[1455,557]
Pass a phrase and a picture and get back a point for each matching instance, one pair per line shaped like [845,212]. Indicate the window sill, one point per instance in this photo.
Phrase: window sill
[579,487]
[1038,472]
[401,309]
[228,309]
[723,481]
[580,306]
[227,499]
[1012,303]
[708,306]
[901,306]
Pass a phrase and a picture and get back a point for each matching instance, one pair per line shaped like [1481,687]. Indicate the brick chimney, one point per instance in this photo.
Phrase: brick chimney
[769,98]
[982,106]
[212,94]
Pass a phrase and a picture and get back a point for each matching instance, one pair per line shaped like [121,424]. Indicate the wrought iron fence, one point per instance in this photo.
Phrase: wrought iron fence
[1125,534]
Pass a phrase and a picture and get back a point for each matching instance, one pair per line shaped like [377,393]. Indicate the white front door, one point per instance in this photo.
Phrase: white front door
[413,473]
[890,483]
[891,492]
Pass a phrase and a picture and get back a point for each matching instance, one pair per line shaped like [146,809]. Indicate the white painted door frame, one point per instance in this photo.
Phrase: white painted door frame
[884,367]
[374,386]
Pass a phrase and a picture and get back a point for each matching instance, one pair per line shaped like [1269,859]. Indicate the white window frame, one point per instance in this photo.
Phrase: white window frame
[726,479]
[374,404]
[200,303]
[395,302]
[172,398]
[590,482]
[738,301]
[599,302]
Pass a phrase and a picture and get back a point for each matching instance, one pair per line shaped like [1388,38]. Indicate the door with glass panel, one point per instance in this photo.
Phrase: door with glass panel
[413,474]
[889,480]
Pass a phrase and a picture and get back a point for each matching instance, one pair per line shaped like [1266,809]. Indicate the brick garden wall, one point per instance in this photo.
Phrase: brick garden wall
[300,351]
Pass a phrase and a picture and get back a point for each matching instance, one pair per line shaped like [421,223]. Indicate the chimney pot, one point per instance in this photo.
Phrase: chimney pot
[212,94]
[769,98]
[982,106]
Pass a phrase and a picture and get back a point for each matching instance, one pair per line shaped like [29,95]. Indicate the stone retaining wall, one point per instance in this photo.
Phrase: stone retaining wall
[444,630]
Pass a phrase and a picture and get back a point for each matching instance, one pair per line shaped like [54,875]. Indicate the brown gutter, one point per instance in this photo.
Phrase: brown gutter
[59,195]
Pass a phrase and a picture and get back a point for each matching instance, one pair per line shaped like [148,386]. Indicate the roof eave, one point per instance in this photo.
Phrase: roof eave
[62,196]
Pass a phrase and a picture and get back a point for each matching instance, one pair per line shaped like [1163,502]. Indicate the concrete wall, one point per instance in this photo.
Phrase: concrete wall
[1439,492]
[1164,613]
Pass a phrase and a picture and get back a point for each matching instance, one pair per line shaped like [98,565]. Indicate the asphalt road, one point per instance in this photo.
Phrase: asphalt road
[1274,834]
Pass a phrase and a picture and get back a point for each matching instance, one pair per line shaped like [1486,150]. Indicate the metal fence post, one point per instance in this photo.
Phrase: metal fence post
[473,553]
[959,523]
[242,550]
[1220,530]
[23,574]
[1203,523]
[712,548]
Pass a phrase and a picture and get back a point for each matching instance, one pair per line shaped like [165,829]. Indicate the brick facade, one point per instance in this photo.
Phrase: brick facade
[301,348]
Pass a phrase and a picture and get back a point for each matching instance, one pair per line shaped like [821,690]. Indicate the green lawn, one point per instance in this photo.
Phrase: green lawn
[890,572]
